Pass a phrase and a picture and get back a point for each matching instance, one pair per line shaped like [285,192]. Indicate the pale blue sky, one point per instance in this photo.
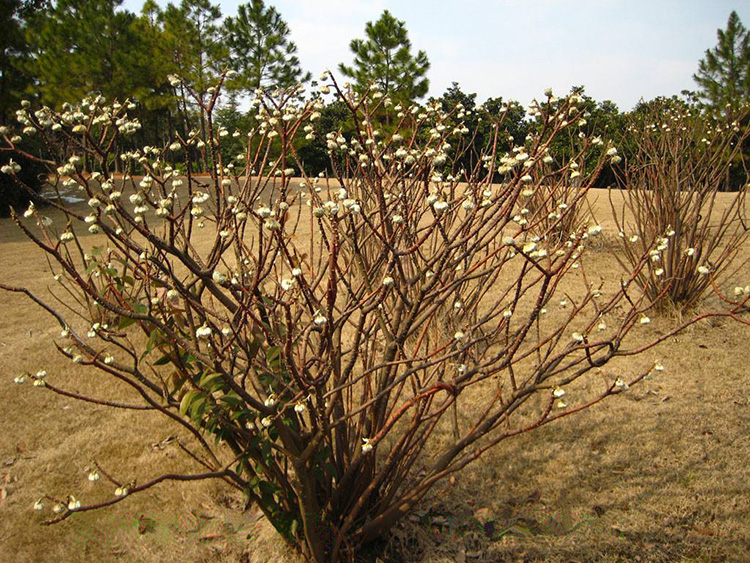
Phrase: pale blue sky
[618,49]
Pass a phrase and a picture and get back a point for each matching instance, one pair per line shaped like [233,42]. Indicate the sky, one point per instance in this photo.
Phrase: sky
[621,50]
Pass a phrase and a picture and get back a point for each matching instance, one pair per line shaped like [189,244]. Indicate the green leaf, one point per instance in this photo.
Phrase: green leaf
[149,345]
[267,487]
[218,436]
[198,409]
[125,322]
[265,449]
[208,380]
[238,415]
[267,499]
[186,400]
[273,357]
[266,378]
[254,484]
[232,399]
[254,347]
[164,360]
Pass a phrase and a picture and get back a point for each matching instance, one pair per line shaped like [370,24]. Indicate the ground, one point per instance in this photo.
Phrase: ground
[656,474]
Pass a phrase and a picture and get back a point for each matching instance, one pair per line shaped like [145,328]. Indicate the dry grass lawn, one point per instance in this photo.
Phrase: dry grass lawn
[661,473]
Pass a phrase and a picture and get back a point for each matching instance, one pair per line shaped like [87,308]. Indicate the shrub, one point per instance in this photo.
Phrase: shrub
[551,195]
[347,342]
[678,163]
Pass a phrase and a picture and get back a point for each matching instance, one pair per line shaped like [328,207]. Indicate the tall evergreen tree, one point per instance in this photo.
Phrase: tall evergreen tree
[385,59]
[724,73]
[80,46]
[260,49]
[194,41]
[155,95]
[154,63]
[14,52]
[197,49]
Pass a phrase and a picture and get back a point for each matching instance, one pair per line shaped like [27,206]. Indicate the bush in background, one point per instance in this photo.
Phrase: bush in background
[679,160]
[22,187]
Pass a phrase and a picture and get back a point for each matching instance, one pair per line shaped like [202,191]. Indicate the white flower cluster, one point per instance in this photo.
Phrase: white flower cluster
[11,168]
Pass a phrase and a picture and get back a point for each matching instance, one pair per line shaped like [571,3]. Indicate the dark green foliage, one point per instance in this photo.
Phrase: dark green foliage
[314,154]
[232,120]
[466,152]
[14,53]
[260,50]
[385,59]
[736,175]
[724,78]
[18,190]
[83,46]
[724,73]
[152,89]
[604,120]
[94,46]
[515,125]
[193,40]
[600,119]
[480,120]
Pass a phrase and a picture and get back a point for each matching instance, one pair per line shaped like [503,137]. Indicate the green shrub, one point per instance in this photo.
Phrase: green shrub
[18,189]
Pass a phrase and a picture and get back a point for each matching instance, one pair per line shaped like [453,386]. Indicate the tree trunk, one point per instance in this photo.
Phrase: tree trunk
[318,533]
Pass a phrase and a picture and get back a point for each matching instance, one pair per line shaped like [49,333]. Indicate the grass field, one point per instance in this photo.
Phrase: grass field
[660,473]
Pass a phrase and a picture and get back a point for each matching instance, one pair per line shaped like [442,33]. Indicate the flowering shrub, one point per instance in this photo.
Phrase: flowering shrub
[557,202]
[336,345]
[678,164]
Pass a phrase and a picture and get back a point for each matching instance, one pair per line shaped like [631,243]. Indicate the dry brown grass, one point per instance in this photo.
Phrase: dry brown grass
[660,472]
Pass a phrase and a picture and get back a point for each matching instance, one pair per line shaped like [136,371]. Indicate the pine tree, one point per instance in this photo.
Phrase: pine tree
[260,50]
[153,64]
[14,52]
[81,46]
[194,42]
[152,60]
[385,59]
[724,74]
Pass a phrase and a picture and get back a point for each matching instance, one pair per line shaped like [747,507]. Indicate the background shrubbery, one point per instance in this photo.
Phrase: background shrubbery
[54,52]
[14,190]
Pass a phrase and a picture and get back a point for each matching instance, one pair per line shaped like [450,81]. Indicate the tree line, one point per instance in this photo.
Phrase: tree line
[59,51]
